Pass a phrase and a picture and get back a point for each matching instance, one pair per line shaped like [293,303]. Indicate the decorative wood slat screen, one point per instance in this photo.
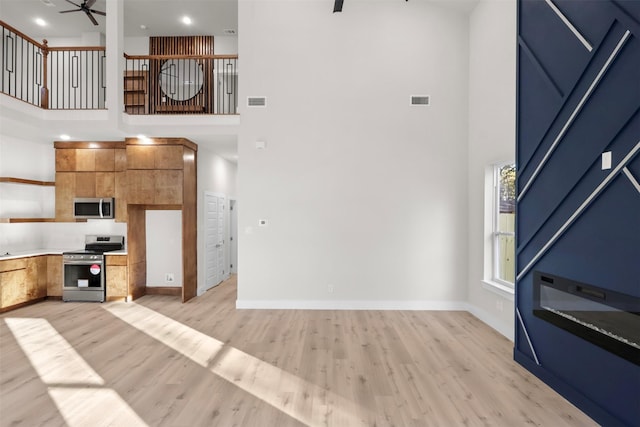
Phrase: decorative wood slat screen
[203,100]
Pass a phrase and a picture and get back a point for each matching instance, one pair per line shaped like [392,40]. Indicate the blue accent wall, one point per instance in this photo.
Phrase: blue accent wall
[574,219]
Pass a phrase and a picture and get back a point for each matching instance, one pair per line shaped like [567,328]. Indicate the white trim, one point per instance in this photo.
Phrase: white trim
[492,321]
[568,23]
[633,180]
[579,211]
[575,113]
[498,288]
[352,305]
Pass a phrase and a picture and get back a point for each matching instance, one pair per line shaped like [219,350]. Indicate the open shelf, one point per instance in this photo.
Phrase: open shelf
[13,180]
[23,181]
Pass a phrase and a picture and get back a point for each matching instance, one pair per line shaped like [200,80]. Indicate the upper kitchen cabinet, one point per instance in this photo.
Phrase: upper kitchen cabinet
[155,173]
[90,169]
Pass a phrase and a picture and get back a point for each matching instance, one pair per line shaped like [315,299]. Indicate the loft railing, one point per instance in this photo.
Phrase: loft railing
[181,84]
[56,78]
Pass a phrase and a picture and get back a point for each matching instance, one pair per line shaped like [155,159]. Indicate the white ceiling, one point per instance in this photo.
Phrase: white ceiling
[161,17]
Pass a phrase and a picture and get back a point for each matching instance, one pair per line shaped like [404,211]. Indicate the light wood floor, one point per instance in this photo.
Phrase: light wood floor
[158,362]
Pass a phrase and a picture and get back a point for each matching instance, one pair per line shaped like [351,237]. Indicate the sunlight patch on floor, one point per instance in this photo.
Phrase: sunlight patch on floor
[304,401]
[76,389]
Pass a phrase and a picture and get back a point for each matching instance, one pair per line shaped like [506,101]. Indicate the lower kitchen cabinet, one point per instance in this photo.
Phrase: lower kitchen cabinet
[23,280]
[54,276]
[117,274]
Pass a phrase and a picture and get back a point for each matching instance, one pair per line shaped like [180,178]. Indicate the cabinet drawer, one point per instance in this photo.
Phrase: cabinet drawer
[13,264]
[116,260]
[13,287]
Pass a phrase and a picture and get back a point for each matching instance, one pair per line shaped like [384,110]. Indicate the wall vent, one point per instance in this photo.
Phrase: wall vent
[421,100]
[256,101]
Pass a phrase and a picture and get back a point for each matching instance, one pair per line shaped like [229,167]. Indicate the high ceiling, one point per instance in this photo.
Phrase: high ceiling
[160,17]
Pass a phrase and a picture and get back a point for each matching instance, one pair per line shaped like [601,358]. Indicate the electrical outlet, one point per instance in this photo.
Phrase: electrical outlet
[330,289]
[169,277]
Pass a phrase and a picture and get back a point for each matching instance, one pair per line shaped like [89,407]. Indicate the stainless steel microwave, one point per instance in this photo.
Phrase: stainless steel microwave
[89,208]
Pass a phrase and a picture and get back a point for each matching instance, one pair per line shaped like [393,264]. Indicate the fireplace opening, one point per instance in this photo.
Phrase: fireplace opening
[605,318]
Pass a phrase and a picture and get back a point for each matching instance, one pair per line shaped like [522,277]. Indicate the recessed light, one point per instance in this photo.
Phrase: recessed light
[65,137]
[41,22]
[186,20]
[47,3]
[143,27]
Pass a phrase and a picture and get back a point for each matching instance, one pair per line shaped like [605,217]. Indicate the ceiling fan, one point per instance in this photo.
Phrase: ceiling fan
[86,8]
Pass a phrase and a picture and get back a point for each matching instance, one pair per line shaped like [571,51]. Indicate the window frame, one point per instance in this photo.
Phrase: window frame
[496,233]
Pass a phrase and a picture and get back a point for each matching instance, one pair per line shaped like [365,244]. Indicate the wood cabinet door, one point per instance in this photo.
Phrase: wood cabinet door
[105,159]
[85,184]
[140,187]
[168,187]
[117,276]
[12,287]
[36,283]
[105,184]
[168,157]
[65,193]
[65,160]
[121,196]
[85,160]
[54,276]
[140,157]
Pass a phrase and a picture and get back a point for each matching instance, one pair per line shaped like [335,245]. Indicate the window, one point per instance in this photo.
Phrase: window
[503,235]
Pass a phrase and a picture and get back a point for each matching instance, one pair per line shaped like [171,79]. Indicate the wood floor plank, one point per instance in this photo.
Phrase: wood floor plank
[204,363]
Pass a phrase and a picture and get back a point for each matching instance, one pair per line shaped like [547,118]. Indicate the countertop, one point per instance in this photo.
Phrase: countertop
[40,252]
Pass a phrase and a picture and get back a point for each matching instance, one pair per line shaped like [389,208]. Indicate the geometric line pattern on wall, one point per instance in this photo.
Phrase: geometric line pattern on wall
[633,180]
[568,23]
[539,67]
[575,113]
[620,167]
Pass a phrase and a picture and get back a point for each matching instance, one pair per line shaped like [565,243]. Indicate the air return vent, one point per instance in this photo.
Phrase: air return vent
[420,100]
[256,101]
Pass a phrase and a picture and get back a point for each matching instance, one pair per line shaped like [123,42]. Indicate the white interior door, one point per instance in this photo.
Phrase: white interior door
[233,236]
[214,239]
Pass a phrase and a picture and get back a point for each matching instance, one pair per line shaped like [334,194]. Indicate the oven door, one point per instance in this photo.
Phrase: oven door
[83,281]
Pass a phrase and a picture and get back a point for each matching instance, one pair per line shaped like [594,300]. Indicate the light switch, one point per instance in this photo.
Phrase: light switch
[261,145]
[262,222]
[606,160]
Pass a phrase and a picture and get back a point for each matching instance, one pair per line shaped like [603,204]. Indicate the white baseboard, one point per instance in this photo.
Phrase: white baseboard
[491,321]
[352,305]
[482,315]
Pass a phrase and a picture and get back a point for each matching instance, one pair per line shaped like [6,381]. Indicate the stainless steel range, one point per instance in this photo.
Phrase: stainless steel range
[84,269]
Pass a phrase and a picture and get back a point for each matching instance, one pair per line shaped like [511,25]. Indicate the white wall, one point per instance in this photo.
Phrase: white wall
[215,175]
[164,247]
[491,140]
[361,191]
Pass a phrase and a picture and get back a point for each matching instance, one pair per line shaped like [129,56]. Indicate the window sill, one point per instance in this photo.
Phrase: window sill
[498,288]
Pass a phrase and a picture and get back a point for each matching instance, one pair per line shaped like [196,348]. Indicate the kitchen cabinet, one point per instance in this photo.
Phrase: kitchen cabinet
[90,169]
[23,280]
[155,156]
[154,187]
[117,277]
[54,276]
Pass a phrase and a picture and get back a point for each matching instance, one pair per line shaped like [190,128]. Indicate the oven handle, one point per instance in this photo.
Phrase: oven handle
[86,262]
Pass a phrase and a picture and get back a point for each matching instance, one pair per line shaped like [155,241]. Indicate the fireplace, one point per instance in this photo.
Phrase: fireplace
[608,319]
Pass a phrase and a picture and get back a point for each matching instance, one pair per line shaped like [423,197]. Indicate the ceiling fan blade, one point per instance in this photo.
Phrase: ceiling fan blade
[76,5]
[74,10]
[98,12]
[91,17]
[88,3]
